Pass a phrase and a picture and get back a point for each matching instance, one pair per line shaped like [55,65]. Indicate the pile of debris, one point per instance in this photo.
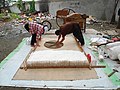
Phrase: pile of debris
[107,46]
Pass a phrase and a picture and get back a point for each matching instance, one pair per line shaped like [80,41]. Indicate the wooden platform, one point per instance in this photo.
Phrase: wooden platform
[54,74]
[12,75]
[68,55]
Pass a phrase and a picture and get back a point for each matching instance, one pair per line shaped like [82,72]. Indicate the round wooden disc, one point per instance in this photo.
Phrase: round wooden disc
[52,44]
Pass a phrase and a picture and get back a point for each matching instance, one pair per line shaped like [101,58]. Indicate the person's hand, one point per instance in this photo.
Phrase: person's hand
[57,43]
[32,45]
[39,39]
[37,44]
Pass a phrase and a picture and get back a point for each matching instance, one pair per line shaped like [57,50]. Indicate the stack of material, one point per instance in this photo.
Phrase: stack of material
[110,45]
[54,58]
[113,50]
[68,56]
[119,56]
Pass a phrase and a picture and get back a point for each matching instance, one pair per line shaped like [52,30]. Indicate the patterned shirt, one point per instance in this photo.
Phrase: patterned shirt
[36,28]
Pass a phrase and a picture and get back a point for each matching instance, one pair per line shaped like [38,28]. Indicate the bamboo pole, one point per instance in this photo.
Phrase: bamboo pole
[39,67]
[82,50]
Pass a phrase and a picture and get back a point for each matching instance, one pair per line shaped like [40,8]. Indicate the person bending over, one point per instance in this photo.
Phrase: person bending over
[36,31]
[69,28]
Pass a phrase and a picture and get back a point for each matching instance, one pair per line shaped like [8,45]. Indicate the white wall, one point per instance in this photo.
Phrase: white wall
[15,9]
[37,6]
[101,9]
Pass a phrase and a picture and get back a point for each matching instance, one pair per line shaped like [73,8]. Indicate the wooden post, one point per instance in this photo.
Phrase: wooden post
[114,12]
[118,24]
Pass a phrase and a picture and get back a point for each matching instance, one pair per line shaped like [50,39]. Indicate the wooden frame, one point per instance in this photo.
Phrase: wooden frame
[25,66]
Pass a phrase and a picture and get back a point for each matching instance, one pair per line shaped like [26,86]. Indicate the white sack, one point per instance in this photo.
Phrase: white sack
[119,57]
[28,40]
[113,52]
[57,58]
[99,40]
[113,44]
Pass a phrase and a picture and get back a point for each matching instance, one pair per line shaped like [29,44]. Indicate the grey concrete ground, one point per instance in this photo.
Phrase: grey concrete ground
[9,39]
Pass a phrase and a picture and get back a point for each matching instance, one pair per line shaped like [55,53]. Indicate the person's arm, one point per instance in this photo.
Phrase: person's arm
[58,38]
[63,38]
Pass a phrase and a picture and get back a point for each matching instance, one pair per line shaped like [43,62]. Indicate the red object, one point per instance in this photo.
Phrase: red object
[115,39]
[89,58]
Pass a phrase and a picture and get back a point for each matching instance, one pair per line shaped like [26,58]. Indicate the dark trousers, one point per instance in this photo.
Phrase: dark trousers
[78,34]
[33,39]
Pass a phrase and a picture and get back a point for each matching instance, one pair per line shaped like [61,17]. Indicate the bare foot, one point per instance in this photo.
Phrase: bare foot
[32,45]
[38,45]
[39,39]
[57,43]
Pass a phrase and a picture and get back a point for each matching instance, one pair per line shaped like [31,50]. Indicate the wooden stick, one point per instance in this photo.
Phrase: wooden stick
[25,61]
[39,67]
[80,47]
[82,50]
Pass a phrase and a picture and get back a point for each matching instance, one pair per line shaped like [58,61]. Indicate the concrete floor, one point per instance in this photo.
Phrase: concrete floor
[10,67]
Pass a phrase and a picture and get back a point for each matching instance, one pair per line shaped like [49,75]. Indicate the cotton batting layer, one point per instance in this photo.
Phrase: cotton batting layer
[69,55]
[55,58]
